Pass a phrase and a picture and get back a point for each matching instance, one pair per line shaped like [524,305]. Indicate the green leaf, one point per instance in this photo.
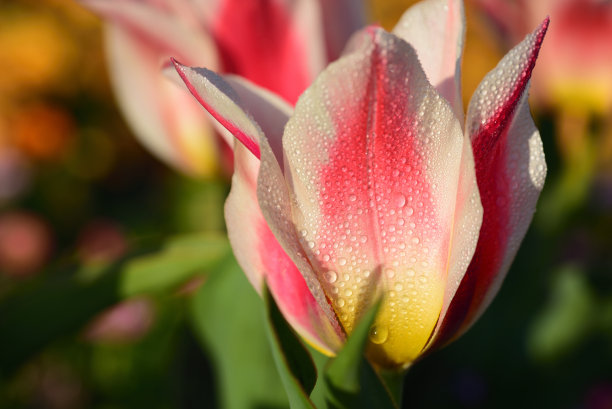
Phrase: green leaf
[319,393]
[181,259]
[62,302]
[351,382]
[227,315]
[567,320]
[293,362]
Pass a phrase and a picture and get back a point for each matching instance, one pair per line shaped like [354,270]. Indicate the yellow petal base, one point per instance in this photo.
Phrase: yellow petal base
[405,322]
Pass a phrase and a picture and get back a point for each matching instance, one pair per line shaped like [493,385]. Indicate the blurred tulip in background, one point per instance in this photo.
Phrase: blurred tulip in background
[278,44]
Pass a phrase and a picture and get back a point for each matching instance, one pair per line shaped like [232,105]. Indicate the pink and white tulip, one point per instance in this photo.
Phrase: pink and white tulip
[278,44]
[373,184]
[576,65]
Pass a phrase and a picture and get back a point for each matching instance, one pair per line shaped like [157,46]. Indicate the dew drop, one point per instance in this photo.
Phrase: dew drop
[341,261]
[340,302]
[399,200]
[378,334]
[331,277]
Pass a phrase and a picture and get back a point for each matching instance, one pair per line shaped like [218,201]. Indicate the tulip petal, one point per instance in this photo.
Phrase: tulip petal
[267,109]
[163,117]
[256,249]
[467,226]
[246,110]
[436,29]
[160,31]
[510,170]
[373,160]
[260,39]
[222,102]
[261,256]
[140,38]
[341,19]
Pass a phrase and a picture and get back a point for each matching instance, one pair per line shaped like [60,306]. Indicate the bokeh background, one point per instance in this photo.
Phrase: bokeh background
[79,196]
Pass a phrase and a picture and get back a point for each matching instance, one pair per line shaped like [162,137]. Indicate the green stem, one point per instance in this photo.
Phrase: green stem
[394,381]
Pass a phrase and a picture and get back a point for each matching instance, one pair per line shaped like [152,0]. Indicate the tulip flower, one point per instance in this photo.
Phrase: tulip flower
[372,186]
[576,66]
[278,44]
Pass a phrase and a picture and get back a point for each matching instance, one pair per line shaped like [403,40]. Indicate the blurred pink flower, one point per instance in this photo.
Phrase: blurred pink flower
[25,243]
[125,322]
[373,184]
[576,65]
[278,44]
[101,241]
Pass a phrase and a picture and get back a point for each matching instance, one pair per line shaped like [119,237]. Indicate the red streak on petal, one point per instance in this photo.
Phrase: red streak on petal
[257,40]
[375,177]
[287,284]
[496,194]
[490,133]
[246,140]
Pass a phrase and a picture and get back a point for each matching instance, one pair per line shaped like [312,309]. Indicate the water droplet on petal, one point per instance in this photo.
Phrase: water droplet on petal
[331,277]
[399,200]
[378,334]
